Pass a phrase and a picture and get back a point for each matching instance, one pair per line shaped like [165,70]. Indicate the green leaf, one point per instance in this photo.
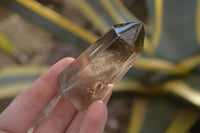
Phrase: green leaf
[161,114]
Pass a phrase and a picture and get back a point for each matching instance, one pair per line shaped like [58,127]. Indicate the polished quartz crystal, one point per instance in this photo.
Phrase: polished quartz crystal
[94,73]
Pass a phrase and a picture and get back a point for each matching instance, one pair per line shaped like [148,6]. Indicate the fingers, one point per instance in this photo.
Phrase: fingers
[95,118]
[57,118]
[20,114]
[76,123]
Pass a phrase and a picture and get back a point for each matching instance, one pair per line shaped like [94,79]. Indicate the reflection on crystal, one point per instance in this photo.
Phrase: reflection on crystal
[94,73]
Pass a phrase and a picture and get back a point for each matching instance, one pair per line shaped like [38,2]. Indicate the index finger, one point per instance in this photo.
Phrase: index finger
[21,113]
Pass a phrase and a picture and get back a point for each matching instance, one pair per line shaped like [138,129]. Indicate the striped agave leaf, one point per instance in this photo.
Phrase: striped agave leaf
[51,21]
[175,41]
[168,70]
[160,114]
[15,79]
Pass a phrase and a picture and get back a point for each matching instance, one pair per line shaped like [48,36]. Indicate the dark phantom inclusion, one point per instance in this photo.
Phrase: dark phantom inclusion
[94,73]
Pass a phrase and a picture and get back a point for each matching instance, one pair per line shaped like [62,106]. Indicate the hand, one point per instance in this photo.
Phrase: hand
[61,117]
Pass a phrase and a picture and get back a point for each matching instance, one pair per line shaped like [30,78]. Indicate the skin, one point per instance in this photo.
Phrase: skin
[62,117]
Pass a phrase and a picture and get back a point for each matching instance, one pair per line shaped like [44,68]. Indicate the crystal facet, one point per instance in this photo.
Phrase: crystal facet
[93,74]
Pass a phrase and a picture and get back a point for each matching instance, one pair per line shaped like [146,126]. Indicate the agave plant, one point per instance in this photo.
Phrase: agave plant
[164,81]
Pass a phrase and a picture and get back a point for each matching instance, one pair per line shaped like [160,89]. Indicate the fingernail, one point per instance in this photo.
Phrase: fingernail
[99,101]
[96,104]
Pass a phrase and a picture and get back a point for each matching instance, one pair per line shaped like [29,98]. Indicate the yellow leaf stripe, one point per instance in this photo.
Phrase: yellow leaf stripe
[22,70]
[183,122]
[158,23]
[125,10]
[114,11]
[13,90]
[198,21]
[131,85]
[159,65]
[137,115]
[92,15]
[58,19]
[6,45]
[111,11]
[181,89]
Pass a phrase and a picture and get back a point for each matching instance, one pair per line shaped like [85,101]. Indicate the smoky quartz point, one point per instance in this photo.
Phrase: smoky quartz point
[94,73]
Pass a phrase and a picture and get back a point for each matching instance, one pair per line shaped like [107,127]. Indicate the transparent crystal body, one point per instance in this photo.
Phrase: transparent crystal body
[94,73]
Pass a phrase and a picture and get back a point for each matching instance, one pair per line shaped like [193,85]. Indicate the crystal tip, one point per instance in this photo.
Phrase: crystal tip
[133,33]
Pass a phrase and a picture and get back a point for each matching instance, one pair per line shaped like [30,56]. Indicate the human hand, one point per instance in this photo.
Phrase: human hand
[61,117]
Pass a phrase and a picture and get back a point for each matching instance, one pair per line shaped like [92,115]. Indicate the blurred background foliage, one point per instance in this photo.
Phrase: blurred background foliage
[160,94]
